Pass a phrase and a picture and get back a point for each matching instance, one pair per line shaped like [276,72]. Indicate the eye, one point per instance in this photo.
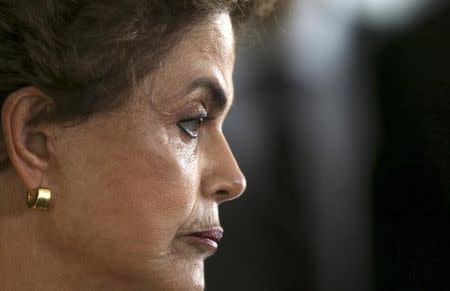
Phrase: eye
[191,126]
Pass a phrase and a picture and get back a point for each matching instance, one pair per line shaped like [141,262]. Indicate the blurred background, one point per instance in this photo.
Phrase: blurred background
[341,125]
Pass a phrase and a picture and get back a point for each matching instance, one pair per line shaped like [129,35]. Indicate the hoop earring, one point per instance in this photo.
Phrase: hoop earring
[39,198]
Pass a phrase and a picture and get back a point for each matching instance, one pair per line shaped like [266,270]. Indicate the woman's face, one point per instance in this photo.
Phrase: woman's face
[131,185]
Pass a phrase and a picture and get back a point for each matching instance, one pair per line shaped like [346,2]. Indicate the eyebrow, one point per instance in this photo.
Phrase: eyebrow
[215,90]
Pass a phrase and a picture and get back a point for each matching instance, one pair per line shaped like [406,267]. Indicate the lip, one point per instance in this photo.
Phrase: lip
[206,240]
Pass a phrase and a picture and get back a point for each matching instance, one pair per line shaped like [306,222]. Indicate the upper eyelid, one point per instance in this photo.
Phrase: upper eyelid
[215,94]
[206,94]
[200,114]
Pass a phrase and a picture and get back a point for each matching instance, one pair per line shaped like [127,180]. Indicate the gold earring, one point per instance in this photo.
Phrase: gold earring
[39,198]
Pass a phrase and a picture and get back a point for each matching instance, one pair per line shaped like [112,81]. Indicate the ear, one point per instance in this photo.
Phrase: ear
[27,141]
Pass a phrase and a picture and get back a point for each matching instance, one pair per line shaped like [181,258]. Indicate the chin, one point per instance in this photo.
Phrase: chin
[180,275]
[193,279]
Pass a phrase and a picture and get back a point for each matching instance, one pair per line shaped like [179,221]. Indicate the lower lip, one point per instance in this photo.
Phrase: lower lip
[205,244]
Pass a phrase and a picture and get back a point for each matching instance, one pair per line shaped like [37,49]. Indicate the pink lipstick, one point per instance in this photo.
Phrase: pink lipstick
[207,240]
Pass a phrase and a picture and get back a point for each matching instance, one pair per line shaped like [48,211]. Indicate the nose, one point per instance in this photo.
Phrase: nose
[222,179]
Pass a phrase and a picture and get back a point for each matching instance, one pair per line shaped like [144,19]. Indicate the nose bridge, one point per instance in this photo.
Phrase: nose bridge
[222,178]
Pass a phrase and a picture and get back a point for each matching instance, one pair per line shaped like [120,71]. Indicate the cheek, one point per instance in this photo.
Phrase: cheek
[128,201]
[157,190]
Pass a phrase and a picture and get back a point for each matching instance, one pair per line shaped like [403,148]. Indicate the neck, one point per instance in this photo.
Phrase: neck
[30,261]
[28,265]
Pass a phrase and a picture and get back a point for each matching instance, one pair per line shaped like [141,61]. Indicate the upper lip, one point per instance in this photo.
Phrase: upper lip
[214,234]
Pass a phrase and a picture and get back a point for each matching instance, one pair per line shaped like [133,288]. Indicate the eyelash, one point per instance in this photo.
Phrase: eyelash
[197,122]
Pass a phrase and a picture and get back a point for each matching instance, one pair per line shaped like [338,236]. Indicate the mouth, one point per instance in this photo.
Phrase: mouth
[206,240]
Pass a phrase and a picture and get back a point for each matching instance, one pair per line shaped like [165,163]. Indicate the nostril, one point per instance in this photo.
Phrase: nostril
[230,191]
[234,189]
[222,192]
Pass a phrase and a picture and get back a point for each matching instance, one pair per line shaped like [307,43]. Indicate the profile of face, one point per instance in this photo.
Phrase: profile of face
[131,186]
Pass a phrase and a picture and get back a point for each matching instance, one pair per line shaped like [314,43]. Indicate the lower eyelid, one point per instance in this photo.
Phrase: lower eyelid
[186,130]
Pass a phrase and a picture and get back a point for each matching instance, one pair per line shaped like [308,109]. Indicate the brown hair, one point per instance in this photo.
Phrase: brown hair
[84,53]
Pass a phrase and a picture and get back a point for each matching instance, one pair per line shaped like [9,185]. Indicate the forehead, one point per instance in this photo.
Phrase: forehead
[217,39]
[206,50]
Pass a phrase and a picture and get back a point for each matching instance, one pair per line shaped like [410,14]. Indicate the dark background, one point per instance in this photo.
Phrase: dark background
[342,128]
[411,180]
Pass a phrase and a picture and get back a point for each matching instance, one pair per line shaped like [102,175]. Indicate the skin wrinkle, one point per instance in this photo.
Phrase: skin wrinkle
[211,52]
[129,184]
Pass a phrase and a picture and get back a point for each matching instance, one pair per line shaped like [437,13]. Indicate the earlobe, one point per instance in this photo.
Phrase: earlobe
[26,142]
